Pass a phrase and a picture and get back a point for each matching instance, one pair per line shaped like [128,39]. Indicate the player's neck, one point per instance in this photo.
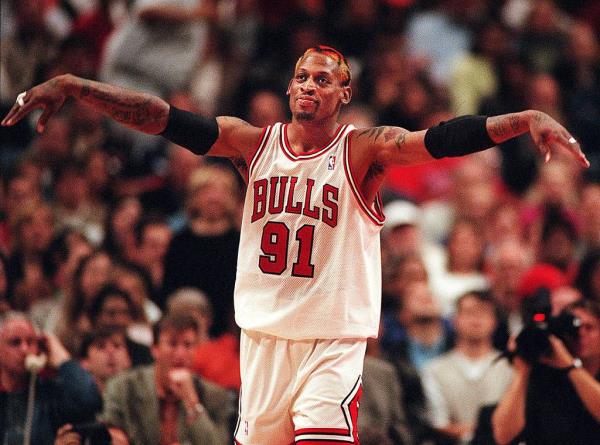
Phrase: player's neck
[305,136]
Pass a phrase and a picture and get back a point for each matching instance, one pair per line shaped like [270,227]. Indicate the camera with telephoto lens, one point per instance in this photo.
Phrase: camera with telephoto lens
[94,433]
[533,342]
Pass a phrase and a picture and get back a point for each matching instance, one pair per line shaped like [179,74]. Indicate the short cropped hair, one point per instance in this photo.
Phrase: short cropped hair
[96,336]
[11,315]
[591,306]
[333,54]
[482,297]
[176,321]
[190,298]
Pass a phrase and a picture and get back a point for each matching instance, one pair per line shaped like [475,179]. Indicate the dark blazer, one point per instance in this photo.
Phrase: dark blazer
[381,405]
[131,402]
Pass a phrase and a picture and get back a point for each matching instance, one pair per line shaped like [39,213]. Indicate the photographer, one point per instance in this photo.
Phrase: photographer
[34,403]
[557,399]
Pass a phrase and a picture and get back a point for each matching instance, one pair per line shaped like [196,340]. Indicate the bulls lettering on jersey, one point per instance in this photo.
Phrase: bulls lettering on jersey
[281,194]
[309,259]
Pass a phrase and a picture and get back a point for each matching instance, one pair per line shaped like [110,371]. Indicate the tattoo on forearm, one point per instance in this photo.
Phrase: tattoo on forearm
[129,108]
[515,122]
[507,125]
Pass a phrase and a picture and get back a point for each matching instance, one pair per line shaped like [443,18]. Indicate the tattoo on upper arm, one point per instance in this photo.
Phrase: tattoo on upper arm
[396,133]
[374,132]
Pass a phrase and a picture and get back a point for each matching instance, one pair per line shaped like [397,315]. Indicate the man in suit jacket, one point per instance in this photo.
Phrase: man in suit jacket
[165,403]
[381,405]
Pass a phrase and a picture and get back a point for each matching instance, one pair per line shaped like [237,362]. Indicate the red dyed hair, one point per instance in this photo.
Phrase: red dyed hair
[333,54]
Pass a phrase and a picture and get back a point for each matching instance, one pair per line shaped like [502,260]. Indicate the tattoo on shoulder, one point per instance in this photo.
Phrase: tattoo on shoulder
[388,133]
[397,134]
[373,133]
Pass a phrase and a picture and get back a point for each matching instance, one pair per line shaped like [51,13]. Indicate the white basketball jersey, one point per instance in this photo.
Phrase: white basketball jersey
[309,263]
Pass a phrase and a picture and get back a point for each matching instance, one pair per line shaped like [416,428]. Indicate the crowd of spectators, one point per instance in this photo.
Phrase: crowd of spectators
[107,236]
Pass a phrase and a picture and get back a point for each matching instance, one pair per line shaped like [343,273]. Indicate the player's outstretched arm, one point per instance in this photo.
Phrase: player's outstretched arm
[461,136]
[224,136]
[133,109]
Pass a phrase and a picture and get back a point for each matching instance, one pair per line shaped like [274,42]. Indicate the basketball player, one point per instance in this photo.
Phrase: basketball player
[308,286]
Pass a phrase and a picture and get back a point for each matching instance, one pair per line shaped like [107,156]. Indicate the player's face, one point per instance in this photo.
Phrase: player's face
[316,92]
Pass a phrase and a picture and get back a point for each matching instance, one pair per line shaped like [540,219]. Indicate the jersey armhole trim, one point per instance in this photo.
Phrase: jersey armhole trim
[260,146]
[374,214]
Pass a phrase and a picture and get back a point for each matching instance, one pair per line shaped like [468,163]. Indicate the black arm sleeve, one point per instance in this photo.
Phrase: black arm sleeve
[458,137]
[192,131]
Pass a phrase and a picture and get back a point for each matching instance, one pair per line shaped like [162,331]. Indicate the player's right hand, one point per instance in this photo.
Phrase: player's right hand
[48,96]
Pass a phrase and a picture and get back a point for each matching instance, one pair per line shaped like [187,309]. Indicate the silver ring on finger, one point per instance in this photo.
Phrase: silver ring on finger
[572,140]
[21,98]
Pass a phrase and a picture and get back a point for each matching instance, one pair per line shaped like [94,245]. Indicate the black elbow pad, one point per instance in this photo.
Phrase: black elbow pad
[192,131]
[458,137]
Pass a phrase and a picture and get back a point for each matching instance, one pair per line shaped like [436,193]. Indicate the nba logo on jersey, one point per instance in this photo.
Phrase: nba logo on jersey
[331,162]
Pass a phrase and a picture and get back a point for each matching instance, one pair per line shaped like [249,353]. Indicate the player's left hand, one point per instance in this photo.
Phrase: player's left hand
[560,357]
[549,136]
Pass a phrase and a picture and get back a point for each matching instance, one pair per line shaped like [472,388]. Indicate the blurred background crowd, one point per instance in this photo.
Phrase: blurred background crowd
[104,228]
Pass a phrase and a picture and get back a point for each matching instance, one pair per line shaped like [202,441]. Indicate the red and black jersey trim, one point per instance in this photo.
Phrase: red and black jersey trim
[287,149]
[328,436]
[375,214]
[260,148]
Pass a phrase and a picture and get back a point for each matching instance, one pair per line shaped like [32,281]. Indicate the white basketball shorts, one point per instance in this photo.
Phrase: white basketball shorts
[299,391]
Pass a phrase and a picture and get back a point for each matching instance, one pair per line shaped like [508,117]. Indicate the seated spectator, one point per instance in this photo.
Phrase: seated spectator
[464,265]
[399,272]
[459,383]
[134,280]
[113,308]
[419,331]
[65,252]
[70,320]
[507,262]
[381,407]
[171,405]
[204,254]
[571,415]
[64,391]
[402,235]
[153,236]
[104,354]
[215,359]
